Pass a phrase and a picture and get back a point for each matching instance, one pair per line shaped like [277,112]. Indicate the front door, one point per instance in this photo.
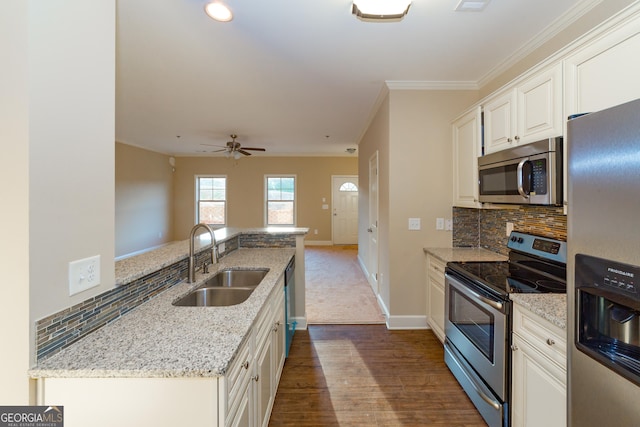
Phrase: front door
[345,210]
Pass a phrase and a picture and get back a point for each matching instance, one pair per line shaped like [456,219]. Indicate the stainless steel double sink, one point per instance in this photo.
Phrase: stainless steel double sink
[227,287]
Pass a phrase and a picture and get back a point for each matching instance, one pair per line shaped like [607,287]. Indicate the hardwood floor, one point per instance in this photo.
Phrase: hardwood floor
[366,375]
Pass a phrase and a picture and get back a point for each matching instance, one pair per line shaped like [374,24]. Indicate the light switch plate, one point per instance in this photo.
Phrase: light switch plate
[84,274]
[439,223]
[414,223]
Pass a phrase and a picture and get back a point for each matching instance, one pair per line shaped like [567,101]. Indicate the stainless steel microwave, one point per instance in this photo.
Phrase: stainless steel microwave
[529,174]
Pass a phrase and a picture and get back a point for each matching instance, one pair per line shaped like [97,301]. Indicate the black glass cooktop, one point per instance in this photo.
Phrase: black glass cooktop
[509,277]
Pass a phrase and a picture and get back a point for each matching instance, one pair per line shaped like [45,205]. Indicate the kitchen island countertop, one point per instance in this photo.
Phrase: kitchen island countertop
[132,268]
[158,339]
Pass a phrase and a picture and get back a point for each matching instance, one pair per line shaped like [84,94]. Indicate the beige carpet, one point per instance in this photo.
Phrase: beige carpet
[337,290]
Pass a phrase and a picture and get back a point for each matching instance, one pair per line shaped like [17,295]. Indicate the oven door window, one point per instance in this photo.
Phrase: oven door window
[473,321]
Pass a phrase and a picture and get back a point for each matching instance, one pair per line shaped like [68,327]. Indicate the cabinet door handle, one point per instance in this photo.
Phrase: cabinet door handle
[256,378]
[517,138]
[509,140]
[277,325]
[514,347]
[245,365]
[550,341]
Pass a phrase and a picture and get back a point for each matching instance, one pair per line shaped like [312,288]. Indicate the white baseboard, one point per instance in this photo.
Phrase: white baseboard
[318,242]
[301,323]
[407,322]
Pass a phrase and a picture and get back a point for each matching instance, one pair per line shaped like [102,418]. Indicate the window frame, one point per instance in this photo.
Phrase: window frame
[267,200]
[197,198]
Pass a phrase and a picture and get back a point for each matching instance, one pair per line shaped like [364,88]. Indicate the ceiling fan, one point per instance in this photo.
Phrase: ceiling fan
[234,148]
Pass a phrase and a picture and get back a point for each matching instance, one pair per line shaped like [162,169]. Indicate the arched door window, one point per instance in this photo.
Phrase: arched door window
[348,186]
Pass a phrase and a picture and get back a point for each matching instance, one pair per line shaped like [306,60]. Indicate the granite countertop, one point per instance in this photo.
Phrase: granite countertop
[552,307]
[158,339]
[464,254]
[135,267]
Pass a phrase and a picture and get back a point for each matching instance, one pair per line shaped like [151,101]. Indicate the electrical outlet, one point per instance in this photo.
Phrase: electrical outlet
[509,228]
[448,225]
[315,231]
[414,223]
[84,274]
[439,223]
[221,247]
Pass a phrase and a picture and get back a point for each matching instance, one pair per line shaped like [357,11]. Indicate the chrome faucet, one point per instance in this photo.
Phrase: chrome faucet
[192,257]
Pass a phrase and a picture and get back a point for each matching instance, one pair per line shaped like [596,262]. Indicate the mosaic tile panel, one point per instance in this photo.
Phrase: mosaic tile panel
[59,330]
[466,227]
[491,225]
[267,240]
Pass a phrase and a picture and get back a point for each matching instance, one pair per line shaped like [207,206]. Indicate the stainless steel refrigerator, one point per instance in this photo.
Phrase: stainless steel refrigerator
[603,267]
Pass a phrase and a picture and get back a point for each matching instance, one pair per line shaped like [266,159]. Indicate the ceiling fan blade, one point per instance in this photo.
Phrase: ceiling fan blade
[255,149]
[241,150]
[213,145]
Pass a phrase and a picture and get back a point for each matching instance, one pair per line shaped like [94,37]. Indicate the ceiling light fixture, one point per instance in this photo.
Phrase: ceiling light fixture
[471,5]
[218,11]
[380,10]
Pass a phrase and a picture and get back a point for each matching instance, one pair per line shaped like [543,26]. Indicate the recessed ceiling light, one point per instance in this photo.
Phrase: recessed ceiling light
[380,9]
[218,11]
[471,5]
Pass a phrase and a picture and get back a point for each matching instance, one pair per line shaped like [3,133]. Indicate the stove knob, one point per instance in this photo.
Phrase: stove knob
[514,238]
[520,240]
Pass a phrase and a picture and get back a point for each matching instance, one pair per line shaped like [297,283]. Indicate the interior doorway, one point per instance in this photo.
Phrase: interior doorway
[344,200]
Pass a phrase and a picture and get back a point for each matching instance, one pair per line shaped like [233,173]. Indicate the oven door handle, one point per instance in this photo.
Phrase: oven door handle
[495,304]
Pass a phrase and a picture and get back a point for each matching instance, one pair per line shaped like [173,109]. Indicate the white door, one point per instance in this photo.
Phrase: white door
[344,196]
[373,223]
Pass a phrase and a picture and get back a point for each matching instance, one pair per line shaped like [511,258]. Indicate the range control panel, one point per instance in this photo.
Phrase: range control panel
[602,273]
[544,247]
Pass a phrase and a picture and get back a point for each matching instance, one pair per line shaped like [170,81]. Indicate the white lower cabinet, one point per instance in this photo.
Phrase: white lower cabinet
[243,397]
[539,372]
[253,405]
[435,295]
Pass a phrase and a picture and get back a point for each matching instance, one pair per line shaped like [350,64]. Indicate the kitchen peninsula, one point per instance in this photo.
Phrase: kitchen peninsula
[166,365]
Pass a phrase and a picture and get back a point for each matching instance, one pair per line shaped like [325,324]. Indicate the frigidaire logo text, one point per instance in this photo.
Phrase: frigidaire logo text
[624,273]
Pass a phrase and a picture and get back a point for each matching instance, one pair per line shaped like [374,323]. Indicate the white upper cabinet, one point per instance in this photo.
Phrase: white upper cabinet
[529,112]
[467,141]
[500,122]
[604,73]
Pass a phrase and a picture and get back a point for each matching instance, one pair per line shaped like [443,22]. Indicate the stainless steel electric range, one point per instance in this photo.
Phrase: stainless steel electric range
[478,316]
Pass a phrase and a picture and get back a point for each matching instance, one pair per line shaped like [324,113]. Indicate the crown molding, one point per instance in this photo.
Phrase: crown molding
[430,85]
[548,33]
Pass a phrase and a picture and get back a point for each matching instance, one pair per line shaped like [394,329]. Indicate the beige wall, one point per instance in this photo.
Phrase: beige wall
[245,189]
[143,199]
[412,133]
[584,24]
[14,215]
[376,139]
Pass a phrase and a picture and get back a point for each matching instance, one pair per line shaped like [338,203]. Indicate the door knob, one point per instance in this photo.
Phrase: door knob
[369,230]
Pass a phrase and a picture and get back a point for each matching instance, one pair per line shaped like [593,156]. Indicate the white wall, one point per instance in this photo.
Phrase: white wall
[71,146]
[14,212]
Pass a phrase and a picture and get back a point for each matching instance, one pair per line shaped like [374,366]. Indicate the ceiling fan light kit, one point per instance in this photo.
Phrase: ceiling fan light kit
[380,10]
[218,11]
[235,149]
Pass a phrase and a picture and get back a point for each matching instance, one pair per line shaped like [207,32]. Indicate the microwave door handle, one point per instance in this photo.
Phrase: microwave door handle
[520,175]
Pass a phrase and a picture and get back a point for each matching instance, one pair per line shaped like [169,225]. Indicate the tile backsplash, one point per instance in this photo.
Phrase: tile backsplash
[487,227]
